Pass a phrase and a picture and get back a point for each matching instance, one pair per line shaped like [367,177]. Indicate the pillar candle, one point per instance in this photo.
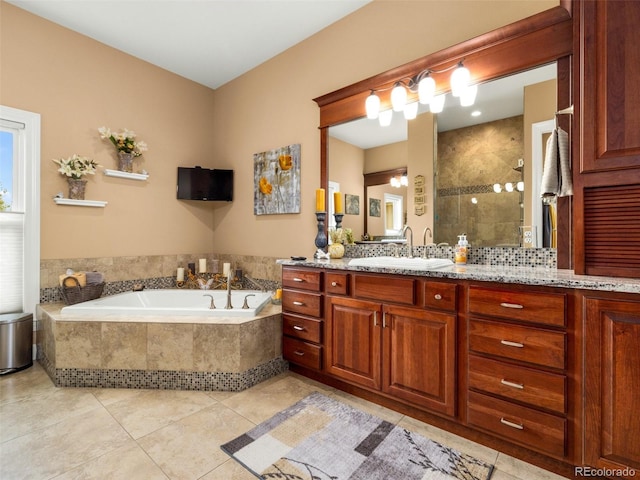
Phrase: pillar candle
[337,202]
[180,275]
[202,265]
[320,200]
[226,268]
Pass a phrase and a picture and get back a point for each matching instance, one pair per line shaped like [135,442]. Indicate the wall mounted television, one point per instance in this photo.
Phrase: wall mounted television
[196,183]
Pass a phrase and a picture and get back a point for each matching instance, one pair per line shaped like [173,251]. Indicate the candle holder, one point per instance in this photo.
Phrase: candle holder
[321,237]
[338,217]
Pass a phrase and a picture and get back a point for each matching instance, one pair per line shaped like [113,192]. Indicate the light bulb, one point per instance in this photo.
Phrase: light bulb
[497,188]
[372,106]
[426,90]
[520,186]
[411,110]
[474,200]
[508,187]
[468,96]
[385,118]
[460,79]
[404,181]
[398,97]
[395,182]
[437,104]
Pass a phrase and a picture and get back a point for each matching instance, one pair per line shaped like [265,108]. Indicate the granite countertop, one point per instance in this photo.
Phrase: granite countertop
[551,277]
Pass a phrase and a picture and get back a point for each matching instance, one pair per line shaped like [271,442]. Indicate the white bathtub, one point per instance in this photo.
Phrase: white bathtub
[173,303]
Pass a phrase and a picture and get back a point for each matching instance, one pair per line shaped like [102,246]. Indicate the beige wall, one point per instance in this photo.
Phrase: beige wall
[78,85]
[346,167]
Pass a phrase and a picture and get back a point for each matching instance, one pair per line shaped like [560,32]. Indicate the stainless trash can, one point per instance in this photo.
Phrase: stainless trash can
[16,342]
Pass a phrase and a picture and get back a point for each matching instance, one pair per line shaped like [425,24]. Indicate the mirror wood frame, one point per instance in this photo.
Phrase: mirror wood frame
[528,43]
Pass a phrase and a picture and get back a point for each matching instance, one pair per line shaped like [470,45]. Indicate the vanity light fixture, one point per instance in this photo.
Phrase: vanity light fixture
[425,86]
[398,182]
[509,187]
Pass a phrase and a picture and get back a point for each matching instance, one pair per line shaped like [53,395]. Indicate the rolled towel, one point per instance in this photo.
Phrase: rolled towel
[94,278]
[67,280]
[550,171]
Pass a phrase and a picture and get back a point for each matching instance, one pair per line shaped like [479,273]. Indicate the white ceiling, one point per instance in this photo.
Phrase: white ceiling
[502,98]
[208,41]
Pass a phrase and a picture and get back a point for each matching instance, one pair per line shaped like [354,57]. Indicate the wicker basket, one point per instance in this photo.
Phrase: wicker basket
[77,294]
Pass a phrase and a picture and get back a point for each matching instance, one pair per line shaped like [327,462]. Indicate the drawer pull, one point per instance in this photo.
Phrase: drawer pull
[375,319]
[519,426]
[384,319]
[508,343]
[295,302]
[512,384]
[296,279]
[299,353]
[299,328]
[437,296]
[511,305]
[334,284]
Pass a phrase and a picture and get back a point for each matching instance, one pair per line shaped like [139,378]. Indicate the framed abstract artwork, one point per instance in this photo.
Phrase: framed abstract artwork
[276,176]
[374,207]
[352,204]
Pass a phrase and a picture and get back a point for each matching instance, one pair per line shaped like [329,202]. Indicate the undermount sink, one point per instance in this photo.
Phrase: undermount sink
[415,263]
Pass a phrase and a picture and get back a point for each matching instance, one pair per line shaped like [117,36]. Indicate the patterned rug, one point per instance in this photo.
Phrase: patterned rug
[320,438]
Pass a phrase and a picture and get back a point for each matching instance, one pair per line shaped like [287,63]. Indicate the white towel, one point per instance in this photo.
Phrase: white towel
[556,173]
[550,174]
[566,184]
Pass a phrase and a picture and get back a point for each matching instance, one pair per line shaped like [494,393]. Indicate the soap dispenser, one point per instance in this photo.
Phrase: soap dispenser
[461,250]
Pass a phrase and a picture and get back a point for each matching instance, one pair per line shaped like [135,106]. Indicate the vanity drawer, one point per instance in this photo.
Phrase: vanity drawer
[528,427]
[301,279]
[386,288]
[303,328]
[337,283]
[302,353]
[536,307]
[527,344]
[527,385]
[304,303]
[440,295]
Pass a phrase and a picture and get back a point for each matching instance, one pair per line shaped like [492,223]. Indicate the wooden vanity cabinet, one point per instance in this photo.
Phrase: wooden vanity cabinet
[302,312]
[382,337]
[612,382]
[517,361]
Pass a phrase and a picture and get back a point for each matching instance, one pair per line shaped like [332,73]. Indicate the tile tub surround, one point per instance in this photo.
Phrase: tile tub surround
[152,271]
[182,353]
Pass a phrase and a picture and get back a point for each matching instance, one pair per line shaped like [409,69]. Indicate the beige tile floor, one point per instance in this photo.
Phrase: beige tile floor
[67,433]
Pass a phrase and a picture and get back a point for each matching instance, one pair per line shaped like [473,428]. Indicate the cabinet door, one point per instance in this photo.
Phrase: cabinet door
[353,340]
[419,357]
[612,383]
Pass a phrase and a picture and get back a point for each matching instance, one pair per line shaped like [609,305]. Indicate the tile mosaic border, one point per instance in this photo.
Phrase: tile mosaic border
[163,379]
[505,256]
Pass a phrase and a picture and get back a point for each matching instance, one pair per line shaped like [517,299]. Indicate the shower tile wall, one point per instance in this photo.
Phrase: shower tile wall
[470,161]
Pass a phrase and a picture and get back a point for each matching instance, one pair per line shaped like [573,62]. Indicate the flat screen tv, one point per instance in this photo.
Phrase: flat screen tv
[198,183]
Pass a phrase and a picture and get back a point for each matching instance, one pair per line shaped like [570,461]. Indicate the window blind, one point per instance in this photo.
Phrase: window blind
[11,259]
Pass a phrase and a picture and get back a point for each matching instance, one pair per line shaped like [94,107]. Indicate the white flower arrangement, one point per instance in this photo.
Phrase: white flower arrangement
[76,166]
[124,141]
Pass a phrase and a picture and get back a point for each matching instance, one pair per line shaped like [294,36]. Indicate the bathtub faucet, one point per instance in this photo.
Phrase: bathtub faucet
[212,306]
[229,306]
[255,283]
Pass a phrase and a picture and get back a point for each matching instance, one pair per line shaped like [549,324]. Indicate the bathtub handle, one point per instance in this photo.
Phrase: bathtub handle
[245,304]
[212,305]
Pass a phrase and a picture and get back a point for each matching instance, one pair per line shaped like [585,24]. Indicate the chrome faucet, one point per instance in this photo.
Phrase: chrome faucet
[229,306]
[404,234]
[424,236]
[212,305]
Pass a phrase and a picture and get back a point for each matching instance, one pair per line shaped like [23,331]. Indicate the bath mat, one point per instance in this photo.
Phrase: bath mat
[321,438]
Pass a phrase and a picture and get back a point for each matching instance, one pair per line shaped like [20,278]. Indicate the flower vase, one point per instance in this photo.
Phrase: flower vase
[336,250]
[125,161]
[76,188]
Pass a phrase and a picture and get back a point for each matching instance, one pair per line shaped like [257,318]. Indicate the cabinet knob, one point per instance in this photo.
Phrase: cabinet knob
[437,296]
[506,422]
[334,284]
[509,343]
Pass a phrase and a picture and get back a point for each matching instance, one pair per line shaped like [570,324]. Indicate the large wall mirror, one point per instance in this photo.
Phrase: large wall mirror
[463,174]
[474,170]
